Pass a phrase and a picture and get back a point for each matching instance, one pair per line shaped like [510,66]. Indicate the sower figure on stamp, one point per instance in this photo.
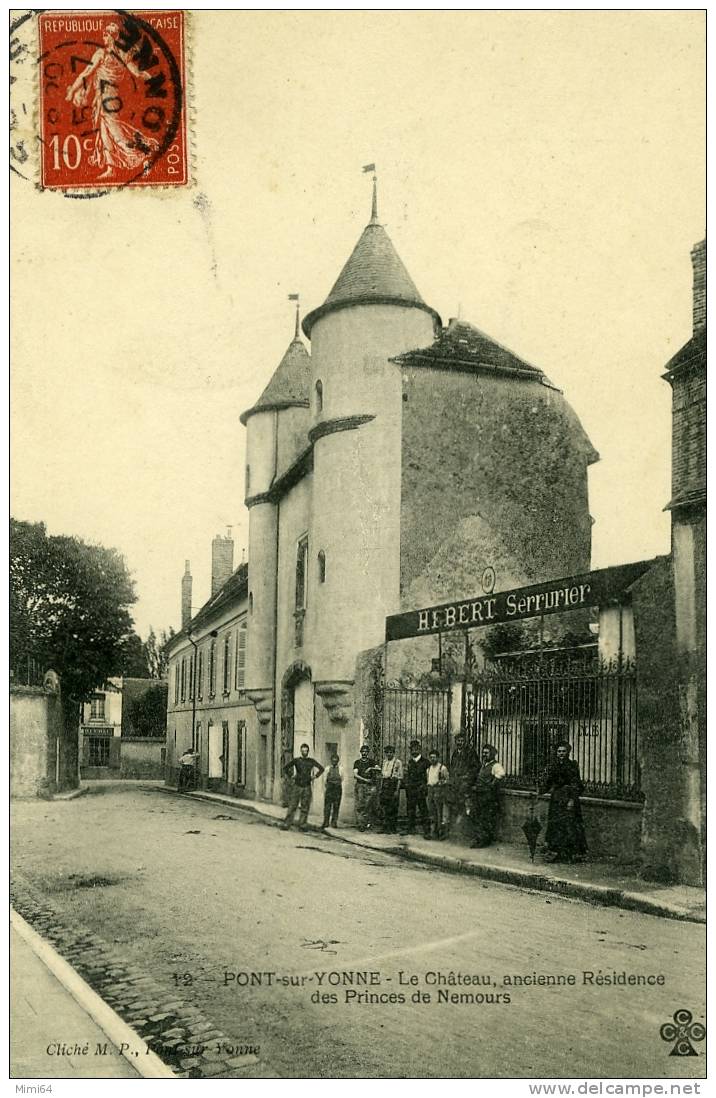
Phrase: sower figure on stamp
[333,792]
[437,781]
[488,785]
[565,838]
[117,144]
[299,794]
[391,777]
[364,772]
[416,789]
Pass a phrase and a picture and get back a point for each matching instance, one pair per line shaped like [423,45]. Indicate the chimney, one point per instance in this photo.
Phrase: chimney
[698,260]
[222,560]
[186,582]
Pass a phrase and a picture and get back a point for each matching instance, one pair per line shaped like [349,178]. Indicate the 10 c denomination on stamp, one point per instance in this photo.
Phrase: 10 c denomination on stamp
[112,99]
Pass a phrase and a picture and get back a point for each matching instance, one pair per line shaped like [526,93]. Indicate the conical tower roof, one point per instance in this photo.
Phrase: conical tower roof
[374,274]
[290,384]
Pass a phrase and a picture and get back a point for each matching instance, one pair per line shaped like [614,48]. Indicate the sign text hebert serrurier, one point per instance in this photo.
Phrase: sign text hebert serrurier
[552,597]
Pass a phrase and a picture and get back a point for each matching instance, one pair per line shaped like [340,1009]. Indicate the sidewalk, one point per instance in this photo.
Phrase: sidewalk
[602,883]
[44,1016]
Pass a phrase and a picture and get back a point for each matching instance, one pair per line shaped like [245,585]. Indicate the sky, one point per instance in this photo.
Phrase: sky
[541,173]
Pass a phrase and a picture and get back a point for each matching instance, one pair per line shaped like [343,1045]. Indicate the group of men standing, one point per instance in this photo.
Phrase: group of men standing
[435,794]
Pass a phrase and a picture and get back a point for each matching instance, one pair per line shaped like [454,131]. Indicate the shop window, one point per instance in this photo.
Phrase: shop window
[99,750]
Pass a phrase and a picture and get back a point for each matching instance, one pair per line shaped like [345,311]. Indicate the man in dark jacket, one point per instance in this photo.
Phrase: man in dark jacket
[301,768]
[416,789]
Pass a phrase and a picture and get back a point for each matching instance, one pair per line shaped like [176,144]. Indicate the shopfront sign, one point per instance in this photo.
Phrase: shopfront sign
[553,597]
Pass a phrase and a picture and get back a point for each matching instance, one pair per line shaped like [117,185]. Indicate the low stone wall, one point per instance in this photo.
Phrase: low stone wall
[613,828]
[142,757]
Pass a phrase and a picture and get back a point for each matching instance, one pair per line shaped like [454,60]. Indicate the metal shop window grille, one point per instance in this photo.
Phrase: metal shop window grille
[525,708]
[99,750]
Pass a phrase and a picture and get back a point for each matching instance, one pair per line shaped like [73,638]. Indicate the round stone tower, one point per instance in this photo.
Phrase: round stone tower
[373,313]
[275,428]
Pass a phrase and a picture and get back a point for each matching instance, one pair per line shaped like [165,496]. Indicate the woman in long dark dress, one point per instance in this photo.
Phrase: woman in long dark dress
[564,838]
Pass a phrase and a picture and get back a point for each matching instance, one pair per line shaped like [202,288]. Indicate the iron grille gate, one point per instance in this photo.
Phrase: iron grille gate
[415,714]
[524,709]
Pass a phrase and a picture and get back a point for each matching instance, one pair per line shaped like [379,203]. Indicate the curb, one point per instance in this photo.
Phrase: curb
[149,1066]
[70,795]
[603,895]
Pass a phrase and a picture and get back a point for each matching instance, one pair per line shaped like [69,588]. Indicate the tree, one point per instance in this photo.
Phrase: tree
[69,607]
[134,663]
[155,655]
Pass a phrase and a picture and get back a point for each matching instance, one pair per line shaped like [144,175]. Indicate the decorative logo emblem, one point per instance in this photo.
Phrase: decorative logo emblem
[488,580]
[682,1031]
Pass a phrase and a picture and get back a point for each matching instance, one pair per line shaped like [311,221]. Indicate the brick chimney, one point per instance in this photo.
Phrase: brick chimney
[698,260]
[186,583]
[222,560]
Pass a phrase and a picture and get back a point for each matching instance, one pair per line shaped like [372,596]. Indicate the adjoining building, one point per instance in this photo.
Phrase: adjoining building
[208,708]
[123,730]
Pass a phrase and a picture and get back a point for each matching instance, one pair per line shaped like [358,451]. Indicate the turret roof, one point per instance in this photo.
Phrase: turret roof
[290,383]
[374,274]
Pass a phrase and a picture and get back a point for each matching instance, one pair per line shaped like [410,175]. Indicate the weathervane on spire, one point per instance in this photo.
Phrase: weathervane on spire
[295,297]
[374,210]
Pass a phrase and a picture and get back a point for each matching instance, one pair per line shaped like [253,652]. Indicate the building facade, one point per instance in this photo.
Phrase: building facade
[387,468]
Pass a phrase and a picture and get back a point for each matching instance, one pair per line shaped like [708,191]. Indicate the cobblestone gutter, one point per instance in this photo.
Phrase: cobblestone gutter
[178,1033]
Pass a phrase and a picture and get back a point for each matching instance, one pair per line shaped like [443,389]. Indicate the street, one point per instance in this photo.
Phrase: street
[340,962]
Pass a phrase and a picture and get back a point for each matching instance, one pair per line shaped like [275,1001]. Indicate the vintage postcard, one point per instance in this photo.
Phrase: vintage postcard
[357,549]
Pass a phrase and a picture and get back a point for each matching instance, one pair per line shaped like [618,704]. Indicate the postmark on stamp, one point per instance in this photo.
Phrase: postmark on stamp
[112,99]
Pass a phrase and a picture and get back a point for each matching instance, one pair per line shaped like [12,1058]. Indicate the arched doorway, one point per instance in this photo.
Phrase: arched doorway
[297,713]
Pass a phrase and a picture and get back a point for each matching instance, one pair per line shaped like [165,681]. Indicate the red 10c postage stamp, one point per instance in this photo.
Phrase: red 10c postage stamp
[112,99]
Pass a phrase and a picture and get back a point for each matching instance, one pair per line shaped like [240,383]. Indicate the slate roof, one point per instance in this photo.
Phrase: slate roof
[373,274]
[234,590]
[290,384]
[463,346]
[693,351]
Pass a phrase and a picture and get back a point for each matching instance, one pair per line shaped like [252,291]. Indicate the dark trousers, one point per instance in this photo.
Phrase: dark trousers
[298,795]
[389,796]
[416,802]
[332,803]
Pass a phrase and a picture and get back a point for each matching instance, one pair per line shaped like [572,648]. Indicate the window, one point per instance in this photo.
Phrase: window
[192,683]
[176,682]
[227,663]
[212,669]
[183,679]
[241,753]
[99,750]
[240,672]
[251,602]
[321,567]
[248,480]
[301,560]
[200,675]
[97,709]
[225,750]
[319,396]
[301,578]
